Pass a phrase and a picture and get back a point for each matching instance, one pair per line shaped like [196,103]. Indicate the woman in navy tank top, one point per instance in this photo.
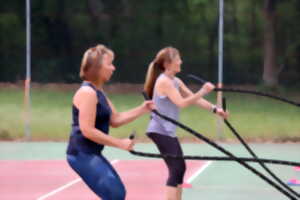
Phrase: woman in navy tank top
[93,113]
[170,94]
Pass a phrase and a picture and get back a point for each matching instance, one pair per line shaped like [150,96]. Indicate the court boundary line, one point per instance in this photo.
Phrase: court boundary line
[198,172]
[69,184]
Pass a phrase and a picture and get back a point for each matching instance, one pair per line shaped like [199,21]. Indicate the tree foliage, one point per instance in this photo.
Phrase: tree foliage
[63,29]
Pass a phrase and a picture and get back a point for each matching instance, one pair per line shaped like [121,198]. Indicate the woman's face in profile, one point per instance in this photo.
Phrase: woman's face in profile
[175,64]
[107,68]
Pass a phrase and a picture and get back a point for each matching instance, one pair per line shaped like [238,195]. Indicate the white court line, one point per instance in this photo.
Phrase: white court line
[53,192]
[199,171]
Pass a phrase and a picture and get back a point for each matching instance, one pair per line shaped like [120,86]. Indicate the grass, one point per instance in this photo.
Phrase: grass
[253,117]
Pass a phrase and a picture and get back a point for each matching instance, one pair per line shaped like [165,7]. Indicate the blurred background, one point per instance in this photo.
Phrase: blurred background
[261,41]
[261,52]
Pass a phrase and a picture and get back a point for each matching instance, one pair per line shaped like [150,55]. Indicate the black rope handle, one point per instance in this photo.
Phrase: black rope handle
[202,137]
[200,80]
[247,147]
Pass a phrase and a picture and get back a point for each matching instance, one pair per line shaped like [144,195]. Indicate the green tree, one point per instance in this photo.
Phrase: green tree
[271,67]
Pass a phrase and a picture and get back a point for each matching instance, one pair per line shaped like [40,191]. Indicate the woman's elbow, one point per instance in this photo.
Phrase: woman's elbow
[115,124]
[116,120]
[86,132]
[182,105]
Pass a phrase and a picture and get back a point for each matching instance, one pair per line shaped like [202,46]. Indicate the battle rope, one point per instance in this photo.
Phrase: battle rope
[241,139]
[217,158]
[254,155]
[200,136]
[247,92]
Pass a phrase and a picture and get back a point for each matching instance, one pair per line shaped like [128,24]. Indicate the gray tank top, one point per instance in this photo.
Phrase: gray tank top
[166,107]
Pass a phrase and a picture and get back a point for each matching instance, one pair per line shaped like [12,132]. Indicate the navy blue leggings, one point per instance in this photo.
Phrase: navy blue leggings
[98,174]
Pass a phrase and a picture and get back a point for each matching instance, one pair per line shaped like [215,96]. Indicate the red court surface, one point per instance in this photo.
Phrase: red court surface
[54,180]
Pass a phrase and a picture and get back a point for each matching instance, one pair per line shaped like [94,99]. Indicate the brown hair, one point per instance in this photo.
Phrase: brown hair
[92,61]
[156,67]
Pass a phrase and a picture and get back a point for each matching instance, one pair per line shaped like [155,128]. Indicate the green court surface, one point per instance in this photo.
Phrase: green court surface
[221,180]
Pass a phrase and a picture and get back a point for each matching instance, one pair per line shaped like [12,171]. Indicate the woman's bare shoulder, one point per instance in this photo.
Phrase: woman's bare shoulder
[164,81]
[84,92]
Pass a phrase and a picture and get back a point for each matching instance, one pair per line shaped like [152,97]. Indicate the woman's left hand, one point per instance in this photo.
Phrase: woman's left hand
[222,113]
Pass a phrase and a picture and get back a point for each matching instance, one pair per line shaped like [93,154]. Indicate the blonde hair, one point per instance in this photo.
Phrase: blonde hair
[156,67]
[92,61]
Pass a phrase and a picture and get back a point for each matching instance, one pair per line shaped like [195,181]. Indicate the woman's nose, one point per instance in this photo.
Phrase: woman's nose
[113,68]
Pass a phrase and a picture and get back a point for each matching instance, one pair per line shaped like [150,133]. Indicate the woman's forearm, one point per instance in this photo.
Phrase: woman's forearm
[192,99]
[122,118]
[202,103]
[101,138]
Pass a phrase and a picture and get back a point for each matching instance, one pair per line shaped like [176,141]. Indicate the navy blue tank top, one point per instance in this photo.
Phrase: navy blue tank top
[77,141]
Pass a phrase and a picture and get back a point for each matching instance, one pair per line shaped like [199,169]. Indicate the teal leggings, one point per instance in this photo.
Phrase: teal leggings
[98,174]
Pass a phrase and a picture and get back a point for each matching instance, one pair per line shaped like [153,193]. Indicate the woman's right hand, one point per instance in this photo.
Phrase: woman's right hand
[127,144]
[148,106]
[208,87]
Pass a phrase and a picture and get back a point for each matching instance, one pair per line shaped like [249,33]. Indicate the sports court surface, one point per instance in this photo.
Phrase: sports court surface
[38,171]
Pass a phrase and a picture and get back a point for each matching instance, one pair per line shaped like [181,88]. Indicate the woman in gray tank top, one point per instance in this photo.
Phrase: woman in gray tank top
[169,95]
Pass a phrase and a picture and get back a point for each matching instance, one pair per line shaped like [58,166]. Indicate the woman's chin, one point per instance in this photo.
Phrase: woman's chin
[108,77]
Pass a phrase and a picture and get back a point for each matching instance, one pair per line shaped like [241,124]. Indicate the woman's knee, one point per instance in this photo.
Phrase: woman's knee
[177,172]
[119,194]
[179,168]
[183,167]
[112,189]
[119,191]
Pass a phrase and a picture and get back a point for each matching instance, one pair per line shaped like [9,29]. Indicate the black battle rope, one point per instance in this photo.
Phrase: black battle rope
[247,92]
[228,124]
[202,137]
[217,158]
[241,139]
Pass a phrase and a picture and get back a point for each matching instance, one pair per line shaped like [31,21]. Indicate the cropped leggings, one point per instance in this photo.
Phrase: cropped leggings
[176,166]
[98,174]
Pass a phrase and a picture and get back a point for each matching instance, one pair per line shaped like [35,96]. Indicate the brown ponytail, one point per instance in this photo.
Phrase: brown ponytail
[156,67]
